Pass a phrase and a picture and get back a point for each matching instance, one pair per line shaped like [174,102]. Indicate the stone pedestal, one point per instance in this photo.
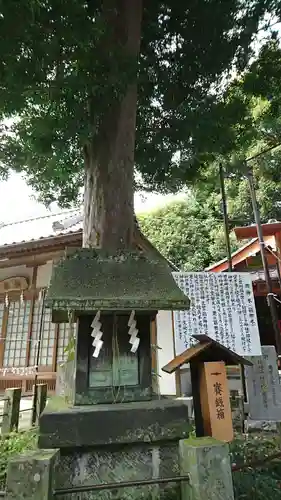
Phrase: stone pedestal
[207,462]
[114,443]
[31,476]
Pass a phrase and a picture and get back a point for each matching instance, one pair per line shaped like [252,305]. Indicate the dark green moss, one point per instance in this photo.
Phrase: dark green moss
[91,279]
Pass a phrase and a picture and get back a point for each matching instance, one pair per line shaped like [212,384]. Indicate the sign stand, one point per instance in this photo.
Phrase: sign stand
[222,307]
[211,396]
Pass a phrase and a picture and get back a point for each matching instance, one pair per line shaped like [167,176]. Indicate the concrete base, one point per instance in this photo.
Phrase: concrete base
[112,465]
[207,462]
[114,443]
[62,426]
[32,476]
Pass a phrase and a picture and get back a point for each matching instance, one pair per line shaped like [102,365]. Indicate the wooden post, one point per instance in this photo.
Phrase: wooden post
[11,410]
[177,373]
[154,366]
[211,400]
[39,402]
[3,334]
[215,401]
[31,314]
[55,349]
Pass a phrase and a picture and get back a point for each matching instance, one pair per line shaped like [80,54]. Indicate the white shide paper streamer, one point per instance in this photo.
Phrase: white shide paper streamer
[97,335]
[133,332]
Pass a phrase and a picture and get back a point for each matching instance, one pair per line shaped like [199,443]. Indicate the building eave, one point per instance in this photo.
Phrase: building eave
[251,248]
[33,246]
[246,232]
[70,239]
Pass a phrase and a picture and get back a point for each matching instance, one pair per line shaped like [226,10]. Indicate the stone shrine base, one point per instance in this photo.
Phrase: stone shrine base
[114,465]
[37,475]
[114,443]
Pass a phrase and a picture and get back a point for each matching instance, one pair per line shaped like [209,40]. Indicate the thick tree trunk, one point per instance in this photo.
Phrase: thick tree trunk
[109,165]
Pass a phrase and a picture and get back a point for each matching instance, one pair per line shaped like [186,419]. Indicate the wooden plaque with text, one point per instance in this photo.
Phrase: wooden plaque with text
[215,401]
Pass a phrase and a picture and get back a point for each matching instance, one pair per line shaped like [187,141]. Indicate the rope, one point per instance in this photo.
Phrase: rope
[275,297]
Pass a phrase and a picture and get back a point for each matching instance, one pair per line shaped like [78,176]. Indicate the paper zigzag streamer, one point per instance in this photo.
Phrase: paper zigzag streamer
[133,332]
[97,335]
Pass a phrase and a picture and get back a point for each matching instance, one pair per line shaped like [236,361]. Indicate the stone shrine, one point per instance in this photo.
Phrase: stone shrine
[110,424]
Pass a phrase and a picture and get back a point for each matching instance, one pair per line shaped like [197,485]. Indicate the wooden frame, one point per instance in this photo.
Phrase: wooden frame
[154,362]
[28,347]
[178,373]
[3,334]
[87,395]
[45,373]
[207,349]
[55,350]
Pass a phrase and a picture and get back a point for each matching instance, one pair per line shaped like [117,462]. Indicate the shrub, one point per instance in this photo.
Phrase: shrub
[12,445]
[260,482]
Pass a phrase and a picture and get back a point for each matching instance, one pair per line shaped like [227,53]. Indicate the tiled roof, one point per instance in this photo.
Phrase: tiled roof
[37,233]
[48,226]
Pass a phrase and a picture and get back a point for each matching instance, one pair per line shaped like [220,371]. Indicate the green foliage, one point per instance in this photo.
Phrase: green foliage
[264,481]
[256,129]
[12,445]
[186,232]
[60,74]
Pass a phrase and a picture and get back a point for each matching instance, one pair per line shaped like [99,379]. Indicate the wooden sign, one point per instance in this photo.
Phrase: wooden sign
[14,284]
[215,401]
[263,386]
[222,307]
[211,398]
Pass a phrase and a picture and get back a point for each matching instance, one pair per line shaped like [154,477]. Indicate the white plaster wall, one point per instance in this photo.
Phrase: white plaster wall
[10,272]
[44,275]
[165,340]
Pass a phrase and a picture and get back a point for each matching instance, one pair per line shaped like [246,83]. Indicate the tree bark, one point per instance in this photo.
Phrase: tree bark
[109,161]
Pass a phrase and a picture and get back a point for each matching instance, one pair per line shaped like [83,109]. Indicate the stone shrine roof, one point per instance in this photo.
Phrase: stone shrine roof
[93,279]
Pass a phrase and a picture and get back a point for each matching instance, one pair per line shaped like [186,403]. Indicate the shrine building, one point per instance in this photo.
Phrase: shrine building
[28,250]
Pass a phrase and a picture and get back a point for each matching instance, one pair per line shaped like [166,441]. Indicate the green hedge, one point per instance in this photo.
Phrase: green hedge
[261,483]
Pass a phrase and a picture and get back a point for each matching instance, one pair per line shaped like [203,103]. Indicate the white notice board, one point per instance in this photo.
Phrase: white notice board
[223,307]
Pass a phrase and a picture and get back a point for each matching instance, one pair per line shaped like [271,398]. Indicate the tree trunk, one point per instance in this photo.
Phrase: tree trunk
[109,165]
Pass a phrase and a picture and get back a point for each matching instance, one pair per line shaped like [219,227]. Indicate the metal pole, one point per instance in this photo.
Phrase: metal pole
[270,294]
[35,395]
[230,267]
[123,484]
[225,219]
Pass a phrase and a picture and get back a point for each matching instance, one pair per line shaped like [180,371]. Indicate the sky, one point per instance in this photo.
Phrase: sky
[17,201]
